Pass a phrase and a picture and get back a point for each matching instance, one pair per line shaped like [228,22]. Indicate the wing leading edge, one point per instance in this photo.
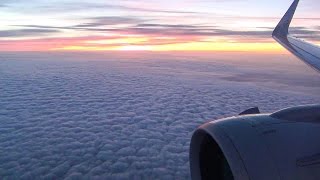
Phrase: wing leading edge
[308,53]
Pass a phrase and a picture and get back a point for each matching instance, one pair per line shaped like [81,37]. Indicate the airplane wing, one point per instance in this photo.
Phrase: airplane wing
[308,53]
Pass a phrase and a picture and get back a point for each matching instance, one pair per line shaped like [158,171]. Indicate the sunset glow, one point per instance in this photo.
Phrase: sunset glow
[182,25]
[192,46]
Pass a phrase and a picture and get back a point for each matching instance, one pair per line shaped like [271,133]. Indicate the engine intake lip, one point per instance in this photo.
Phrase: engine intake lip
[213,163]
[227,160]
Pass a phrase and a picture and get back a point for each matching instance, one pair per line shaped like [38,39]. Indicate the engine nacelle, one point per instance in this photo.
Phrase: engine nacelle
[281,146]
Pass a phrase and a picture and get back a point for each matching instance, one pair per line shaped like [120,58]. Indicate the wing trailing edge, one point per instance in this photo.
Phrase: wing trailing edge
[308,53]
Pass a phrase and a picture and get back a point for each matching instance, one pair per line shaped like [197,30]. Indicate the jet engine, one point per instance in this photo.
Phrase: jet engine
[284,145]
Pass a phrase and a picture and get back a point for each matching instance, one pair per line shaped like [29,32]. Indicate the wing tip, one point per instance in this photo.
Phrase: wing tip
[282,29]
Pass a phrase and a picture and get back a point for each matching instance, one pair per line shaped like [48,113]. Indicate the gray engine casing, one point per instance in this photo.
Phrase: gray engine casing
[284,145]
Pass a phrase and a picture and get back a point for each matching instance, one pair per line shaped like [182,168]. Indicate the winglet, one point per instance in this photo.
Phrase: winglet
[282,29]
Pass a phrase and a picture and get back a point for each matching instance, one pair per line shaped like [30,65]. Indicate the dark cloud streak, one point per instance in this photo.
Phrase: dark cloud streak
[26,32]
[109,20]
[179,30]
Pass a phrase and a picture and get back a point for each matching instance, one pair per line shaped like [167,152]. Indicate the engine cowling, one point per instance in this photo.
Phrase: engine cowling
[284,145]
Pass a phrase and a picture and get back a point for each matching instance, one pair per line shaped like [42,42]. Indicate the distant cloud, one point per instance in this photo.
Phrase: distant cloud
[50,43]
[26,32]
[174,30]
[308,34]
[109,20]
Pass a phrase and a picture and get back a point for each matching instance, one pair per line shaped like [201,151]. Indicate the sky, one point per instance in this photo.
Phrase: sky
[150,25]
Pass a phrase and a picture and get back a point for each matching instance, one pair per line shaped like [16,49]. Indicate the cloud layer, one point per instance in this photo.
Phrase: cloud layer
[68,116]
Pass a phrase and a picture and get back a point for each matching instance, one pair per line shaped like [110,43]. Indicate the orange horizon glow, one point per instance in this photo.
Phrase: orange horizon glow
[192,46]
[135,44]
